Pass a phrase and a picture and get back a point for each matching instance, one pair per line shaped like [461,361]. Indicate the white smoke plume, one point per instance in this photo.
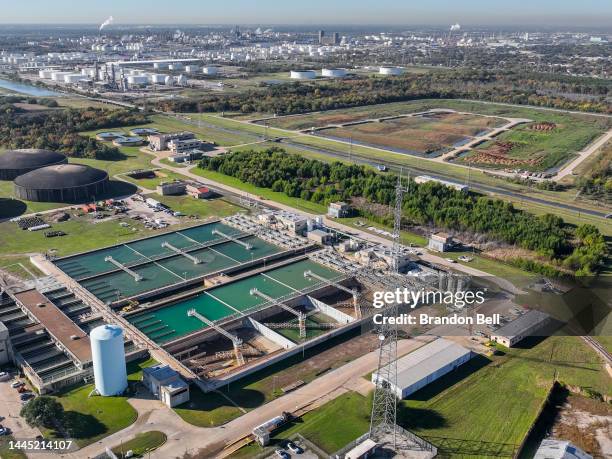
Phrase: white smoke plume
[109,21]
[455,27]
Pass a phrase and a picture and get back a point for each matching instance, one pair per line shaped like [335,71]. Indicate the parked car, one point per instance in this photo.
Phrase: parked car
[17,384]
[294,448]
[26,396]
[4,431]
[282,454]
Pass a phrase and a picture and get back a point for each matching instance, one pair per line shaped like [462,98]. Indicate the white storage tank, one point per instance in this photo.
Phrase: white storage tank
[73,78]
[303,74]
[391,71]
[108,355]
[160,65]
[45,74]
[137,80]
[334,73]
[191,68]
[59,76]
[181,80]
[157,78]
[176,66]
[210,70]
[169,80]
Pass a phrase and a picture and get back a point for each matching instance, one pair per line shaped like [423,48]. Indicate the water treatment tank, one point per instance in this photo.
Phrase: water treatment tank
[108,357]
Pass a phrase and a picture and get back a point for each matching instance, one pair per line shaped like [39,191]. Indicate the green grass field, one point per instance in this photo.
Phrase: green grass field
[488,404]
[141,444]
[161,175]
[330,427]
[85,233]
[89,419]
[263,192]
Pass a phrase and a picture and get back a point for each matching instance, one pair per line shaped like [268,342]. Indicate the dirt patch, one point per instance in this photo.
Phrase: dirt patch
[499,155]
[587,423]
[543,127]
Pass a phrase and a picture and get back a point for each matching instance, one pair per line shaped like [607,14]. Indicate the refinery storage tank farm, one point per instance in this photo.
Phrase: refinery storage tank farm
[108,357]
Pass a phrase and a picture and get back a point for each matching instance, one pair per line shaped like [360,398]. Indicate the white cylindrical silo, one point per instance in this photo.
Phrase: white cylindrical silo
[108,355]
[209,70]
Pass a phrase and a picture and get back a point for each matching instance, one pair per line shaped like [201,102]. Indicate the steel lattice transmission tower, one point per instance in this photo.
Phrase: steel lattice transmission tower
[383,422]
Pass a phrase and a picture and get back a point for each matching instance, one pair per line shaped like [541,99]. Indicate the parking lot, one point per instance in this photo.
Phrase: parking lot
[10,406]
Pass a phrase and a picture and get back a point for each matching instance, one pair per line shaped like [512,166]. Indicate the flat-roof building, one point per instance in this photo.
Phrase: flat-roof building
[426,364]
[559,449]
[178,146]
[520,328]
[171,188]
[440,242]
[166,384]
[338,210]
[159,142]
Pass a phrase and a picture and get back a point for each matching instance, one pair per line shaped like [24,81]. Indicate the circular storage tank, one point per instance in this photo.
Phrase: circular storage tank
[62,183]
[334,73]
[209,70]
[303,74]
[14,163]
[391,71]
[108,355]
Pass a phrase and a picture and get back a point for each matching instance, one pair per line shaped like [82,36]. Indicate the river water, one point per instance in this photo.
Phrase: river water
[28,89]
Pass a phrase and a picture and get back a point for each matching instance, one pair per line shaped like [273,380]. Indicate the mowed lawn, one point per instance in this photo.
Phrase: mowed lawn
[88,419]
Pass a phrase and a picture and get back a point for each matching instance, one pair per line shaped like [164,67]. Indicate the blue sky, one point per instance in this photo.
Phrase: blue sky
[397,12]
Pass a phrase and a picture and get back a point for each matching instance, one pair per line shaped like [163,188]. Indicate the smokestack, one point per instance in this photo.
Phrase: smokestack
[109,21]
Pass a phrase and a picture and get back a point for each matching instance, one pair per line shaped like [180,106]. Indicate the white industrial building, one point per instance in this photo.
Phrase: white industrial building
[166,384]
[427,178]
[520,328]
[440,242]
[559,449]
[426,364]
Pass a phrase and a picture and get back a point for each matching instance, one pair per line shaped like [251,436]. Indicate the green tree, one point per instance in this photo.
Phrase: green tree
[43,411]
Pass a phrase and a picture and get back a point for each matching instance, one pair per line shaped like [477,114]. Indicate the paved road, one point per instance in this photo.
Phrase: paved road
[583,155]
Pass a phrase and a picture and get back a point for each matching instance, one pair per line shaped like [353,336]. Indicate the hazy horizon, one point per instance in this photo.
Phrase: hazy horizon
[542,13]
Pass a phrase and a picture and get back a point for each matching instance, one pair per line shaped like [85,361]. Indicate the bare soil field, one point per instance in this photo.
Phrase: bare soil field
[423,134]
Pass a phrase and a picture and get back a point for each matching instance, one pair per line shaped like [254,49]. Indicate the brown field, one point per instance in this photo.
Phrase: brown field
[419,134]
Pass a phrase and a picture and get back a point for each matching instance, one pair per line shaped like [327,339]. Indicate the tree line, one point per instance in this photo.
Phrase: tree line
[495,86]
[580,250]
[58,130]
